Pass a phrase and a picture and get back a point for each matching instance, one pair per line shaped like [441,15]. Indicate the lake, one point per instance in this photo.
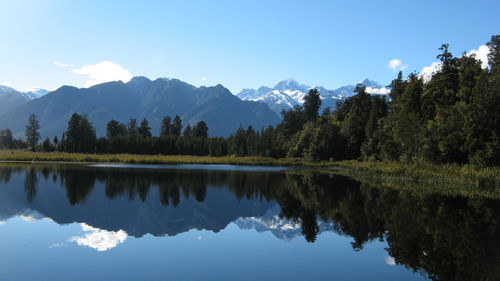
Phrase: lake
[213,222]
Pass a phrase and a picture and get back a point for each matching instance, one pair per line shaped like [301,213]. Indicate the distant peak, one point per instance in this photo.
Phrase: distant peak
[369,83]
[290,84]
[289,81]
[6,88]
[140,80]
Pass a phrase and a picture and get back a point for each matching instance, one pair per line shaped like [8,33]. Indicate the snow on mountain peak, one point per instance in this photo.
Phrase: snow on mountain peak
[288,93]
[290,84]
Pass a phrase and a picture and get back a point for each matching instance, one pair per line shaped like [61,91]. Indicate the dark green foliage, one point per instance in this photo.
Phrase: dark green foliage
[47,146]
[80,135]
[312,103]
[116,129]
[31,133]
[166,127]
[144,129]
[176,128]
[357,110]
[132,128]
[494,54]
[237,143]
[292,121]
[188,131]
[200,130]
[6,139]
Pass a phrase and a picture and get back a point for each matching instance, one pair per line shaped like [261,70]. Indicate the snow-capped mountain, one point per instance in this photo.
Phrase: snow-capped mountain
[288,93]
[11,98]
[35,93]
[281,228]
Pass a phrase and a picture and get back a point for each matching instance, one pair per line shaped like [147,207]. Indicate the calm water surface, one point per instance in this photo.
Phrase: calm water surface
[205,222]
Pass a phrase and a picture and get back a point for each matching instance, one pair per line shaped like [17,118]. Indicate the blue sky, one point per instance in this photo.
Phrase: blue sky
[239,44]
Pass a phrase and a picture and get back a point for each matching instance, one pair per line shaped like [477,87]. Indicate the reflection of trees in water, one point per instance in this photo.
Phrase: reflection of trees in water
[5,175]
[78,183]
[30,182]
[450,238]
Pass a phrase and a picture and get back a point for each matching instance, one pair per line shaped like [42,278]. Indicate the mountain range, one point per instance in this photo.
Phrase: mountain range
[140,98]
[288,93]
[153,99]
[10,98]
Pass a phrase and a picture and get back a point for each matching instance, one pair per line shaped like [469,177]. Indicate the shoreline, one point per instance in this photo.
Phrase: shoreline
[392,173]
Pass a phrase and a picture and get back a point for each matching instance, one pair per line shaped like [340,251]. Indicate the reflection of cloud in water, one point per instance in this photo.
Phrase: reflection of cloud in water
[99,239]
[390,260]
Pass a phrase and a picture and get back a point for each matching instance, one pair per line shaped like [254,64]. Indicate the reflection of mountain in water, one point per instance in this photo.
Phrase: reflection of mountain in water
[160,204]
[281,228]
[448,238]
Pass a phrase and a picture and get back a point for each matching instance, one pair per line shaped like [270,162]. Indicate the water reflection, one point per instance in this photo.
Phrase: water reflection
[448,238]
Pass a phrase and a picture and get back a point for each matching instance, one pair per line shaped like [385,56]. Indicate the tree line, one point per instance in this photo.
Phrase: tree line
[453,117]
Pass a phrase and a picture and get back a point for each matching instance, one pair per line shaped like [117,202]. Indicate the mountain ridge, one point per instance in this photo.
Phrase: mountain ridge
[140,98]
[288,93]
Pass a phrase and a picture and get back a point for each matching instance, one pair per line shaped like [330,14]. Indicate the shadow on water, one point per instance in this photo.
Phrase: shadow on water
[446,238]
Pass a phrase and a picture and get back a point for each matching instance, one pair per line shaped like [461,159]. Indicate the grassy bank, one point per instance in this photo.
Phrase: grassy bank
[447,179]
[23,155]
[397,175]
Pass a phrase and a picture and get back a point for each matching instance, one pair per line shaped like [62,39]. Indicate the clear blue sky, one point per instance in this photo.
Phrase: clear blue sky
[239,44]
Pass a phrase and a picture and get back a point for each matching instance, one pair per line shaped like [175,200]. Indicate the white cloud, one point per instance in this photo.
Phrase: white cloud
[378,91]
[8,84]
[427,72]
[2,222]
[99,239]
[60,64]
[481,54]
[102,72]
[200,237]
[396,65]
[390,260]
[203,79]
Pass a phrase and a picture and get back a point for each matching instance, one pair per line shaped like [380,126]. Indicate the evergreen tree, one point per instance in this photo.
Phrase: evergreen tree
[201,130]
[177,126]
[494,54]
[237,143]
[166,127]
[56,142]
[369,148]
[292,121]
[251,138]
[47,146]
[354,126]
[188,131]
[6,139]
[144,129]
[80,135]
[406,118]
[132,128]
[312,103]
[31,133]
[116,129]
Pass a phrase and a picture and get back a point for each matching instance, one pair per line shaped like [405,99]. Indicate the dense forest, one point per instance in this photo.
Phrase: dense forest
[453,117]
